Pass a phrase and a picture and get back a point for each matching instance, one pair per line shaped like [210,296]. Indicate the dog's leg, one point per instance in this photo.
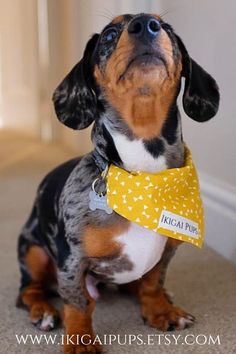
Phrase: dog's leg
[78,328]
[156,306]
[34,295]
[78,309]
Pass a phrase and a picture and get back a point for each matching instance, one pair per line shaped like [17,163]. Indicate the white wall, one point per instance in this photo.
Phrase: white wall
[208,30]
[19,81]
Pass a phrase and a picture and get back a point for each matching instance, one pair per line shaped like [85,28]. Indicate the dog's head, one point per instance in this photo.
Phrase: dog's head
[135,66]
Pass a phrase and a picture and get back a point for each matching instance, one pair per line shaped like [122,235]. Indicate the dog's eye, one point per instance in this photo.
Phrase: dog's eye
[109,35]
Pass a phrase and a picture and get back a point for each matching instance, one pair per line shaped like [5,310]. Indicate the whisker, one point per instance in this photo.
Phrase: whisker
[104,16]
[108,12]
[171,10]
[164,13]
[105,13]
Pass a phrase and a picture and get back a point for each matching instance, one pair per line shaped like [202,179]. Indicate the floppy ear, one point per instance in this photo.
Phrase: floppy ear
[74,99]
[201,94]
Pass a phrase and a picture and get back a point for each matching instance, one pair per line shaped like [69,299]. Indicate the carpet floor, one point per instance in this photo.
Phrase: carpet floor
[203,282]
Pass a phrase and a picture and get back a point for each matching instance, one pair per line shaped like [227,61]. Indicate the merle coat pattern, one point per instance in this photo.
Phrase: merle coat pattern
[61,213]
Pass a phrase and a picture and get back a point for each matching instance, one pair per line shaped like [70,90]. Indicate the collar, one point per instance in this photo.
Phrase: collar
[100,161]
[167,202]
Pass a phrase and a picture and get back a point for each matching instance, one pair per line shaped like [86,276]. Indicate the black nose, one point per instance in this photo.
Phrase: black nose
[144,27]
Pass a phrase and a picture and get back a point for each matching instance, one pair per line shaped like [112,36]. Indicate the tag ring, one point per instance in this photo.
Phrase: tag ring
[102,178]
[94,183]
[102,194]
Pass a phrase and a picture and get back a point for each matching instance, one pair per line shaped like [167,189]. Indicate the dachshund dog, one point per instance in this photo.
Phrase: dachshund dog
[127,84]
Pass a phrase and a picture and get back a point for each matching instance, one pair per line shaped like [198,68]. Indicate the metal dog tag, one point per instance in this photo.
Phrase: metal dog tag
[98,201]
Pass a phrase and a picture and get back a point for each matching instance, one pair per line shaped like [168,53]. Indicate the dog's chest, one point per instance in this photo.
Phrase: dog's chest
[141,247]
[140,250]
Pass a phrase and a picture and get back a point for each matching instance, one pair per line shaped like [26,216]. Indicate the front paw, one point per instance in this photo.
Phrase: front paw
[44,316]
[159,312]
[173,319]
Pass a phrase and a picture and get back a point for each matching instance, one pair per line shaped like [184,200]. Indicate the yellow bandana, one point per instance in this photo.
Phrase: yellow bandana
[167,202]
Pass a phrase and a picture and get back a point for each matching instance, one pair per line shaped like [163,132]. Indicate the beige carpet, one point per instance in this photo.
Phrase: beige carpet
[203,283]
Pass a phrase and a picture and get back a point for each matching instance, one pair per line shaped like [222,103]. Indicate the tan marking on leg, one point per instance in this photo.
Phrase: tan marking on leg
[40,265]
[156,306]
[34,295]
[77,324]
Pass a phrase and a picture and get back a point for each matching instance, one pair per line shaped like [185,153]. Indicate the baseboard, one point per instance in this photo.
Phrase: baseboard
[220,211]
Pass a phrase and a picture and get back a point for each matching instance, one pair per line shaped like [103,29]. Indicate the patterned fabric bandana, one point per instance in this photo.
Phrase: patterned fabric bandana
[167,202]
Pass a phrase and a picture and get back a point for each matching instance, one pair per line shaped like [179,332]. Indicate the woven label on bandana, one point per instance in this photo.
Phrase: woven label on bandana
[176,223]
[167,202]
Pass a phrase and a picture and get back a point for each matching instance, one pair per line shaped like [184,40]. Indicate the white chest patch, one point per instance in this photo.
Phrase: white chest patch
[144,249]
[134,155]
[142,246]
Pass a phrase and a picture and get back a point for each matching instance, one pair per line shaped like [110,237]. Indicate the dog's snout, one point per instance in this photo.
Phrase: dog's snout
[144,27]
